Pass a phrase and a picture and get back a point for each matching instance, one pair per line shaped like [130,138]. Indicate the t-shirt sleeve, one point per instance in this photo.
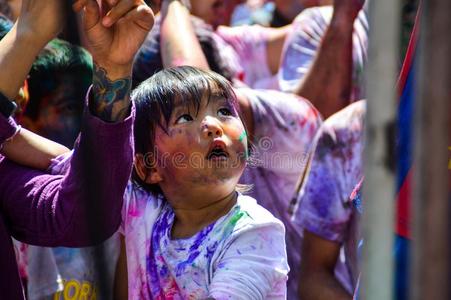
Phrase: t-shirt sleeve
[300,47]
[249,43]
[140,207]
[253,266]
[305,39]
[284,128]
[128,199]
[324,208]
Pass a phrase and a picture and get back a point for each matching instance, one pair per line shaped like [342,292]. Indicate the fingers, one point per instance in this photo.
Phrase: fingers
[91,13]
[134,10]
[122,8]
[142,16]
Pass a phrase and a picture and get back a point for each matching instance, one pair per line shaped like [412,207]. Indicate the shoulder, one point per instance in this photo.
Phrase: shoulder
[264,101]
[248,215]
[351,114]
[345,127]
[314,15]
[140,205]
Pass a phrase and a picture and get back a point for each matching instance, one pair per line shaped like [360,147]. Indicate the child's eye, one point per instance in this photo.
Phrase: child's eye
[223,112]
[183,119]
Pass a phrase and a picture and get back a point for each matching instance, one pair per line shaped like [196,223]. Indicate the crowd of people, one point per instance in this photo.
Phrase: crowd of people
[185,150]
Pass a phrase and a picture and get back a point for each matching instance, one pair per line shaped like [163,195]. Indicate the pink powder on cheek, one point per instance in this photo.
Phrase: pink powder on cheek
[234,131]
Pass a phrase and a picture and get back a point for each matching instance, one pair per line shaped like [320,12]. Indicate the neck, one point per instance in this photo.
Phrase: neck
[190,220]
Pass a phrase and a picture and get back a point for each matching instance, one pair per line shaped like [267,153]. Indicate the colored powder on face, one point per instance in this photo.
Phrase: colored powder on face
[242,136]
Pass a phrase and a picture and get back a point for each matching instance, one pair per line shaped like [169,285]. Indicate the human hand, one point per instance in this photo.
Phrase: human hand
[40,20]
[115,30]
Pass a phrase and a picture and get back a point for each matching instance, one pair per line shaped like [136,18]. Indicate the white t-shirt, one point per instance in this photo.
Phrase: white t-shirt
[304,40]
[284,129]
[240,256]
[325,207]
[244,50]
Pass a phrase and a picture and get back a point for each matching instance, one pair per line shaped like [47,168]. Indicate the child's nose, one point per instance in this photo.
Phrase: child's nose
[211,128]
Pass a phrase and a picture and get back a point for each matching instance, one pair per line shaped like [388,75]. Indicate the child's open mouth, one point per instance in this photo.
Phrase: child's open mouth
[217,151]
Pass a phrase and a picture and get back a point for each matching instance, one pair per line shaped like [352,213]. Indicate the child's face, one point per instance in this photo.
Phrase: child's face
[203,150]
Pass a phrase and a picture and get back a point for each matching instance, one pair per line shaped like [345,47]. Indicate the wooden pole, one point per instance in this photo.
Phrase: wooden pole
[379,187]
[431,195]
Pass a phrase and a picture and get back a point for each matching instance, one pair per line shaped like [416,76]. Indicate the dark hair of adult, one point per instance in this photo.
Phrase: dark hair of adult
[58,63]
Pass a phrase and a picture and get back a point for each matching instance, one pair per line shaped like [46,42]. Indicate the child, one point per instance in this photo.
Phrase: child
[280,126]
[199,237]
[189,232]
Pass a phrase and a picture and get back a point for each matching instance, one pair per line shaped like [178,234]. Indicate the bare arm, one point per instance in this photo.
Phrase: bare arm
[317,280]
[18,50]
[332,67]
[22,44]
[29,149]
[179,47]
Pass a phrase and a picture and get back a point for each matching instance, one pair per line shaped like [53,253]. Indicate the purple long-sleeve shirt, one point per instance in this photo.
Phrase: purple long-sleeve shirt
[78,209]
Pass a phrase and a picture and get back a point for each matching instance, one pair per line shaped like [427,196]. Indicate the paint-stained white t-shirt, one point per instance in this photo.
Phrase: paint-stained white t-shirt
[240,256]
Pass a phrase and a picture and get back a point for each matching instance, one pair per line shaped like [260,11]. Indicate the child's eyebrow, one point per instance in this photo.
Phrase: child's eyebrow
[218,97]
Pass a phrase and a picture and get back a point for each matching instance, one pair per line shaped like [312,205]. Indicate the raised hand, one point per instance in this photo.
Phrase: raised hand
[115,30]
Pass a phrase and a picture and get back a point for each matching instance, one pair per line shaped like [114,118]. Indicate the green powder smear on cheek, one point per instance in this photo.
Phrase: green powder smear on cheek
[242,136]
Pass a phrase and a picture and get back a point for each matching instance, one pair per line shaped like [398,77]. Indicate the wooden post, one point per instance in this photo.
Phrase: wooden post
[431,195]
[379,187]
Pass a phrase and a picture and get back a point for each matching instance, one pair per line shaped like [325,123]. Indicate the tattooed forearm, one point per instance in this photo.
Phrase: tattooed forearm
[111,98]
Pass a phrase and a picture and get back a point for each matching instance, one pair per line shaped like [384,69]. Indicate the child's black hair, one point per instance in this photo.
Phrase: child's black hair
[156,98]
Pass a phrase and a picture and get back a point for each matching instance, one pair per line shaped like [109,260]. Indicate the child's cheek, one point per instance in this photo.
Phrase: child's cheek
[235,131]
[238,136]
[179,143]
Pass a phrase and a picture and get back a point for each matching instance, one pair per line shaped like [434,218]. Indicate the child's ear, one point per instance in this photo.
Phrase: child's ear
[146,170]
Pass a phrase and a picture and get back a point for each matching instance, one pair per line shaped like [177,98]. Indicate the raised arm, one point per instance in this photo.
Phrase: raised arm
[32,150]
[83,207]
[179,47]
[332,66]
[18,50]
[22,44]
[115,30]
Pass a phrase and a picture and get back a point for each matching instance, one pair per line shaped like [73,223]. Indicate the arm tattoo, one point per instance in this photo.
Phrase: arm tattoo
[111,98]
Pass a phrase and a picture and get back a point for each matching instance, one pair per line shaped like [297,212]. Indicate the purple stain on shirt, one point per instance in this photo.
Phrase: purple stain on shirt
[200,237]
[194,249]
[153,276]
[181,266]
[211,250]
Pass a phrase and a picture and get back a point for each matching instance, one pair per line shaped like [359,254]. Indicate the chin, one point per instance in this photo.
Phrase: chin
[215,176]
